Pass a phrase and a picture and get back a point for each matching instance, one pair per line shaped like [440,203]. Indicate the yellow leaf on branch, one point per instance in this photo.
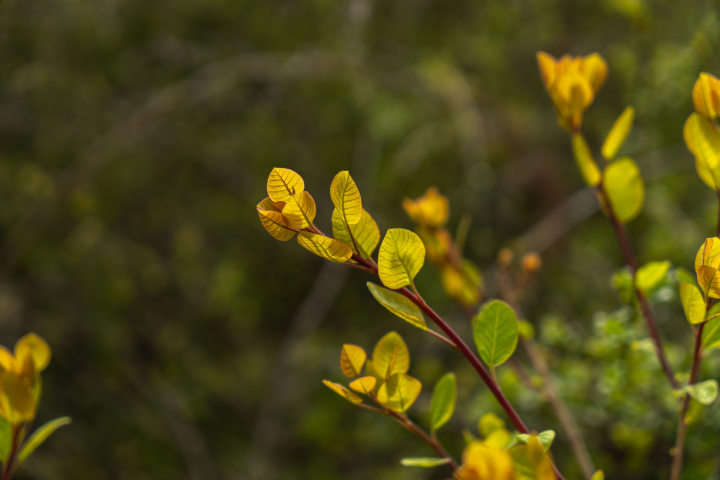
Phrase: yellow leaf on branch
[365,233]
[352,359]
[282,183]
[299,210]
[346,198]
[624,187]
[399,392]
[271,217]
[618,134]
[325,247]
[401,257]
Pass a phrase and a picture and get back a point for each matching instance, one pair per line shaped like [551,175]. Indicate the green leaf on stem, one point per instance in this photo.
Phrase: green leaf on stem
[545,438]
[443,401]
[650,275]
[711,334]
[424,462]
[496,332]
[624,187]
[705,392]
[398,304]
[693,303]
[40,435]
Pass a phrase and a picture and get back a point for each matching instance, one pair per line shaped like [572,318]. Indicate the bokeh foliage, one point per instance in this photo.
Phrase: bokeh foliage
[135,141]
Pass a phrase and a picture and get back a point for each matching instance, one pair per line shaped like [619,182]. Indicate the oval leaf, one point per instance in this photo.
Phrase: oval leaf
[704,392]
[424,462]
[390,356]
[711,334]
[343,392]
[399,392]
[599,475]
[364,385]
[624,187]
[496,332]
[443,401]
[618,134]
[401,257]
[693,303]
[704,143]
[585,161]
[365,233]
[650,275]
[299,210]
[272,219]
[352,359]
[283,183]
[325,247]
[40,435]
[399,305]
[346,198]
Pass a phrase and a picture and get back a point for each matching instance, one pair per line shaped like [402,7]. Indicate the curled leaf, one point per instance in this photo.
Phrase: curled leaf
[325,247]
[399,305]
[343,392]
[273,220]
[40,435]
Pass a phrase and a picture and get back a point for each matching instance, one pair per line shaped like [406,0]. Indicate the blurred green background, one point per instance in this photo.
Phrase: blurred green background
[135,141]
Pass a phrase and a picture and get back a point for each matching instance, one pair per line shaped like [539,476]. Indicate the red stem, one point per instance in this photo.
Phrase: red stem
[642,299]
[462,347]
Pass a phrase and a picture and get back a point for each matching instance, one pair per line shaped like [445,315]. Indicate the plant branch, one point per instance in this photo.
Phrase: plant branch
[466,352]
[433,442]
[621,234]
[682,422]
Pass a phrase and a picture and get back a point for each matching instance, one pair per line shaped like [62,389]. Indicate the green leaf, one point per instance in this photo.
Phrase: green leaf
[401,257]
[704,392]
[424,462]
[585,161]
[443,401]
[366,233]
[650,275]
[398,304]
[711,334]
[545,438]
[618,134]
[693,303]
[624,187]
[496,332]
[40,435]
[5,439]
[399,392]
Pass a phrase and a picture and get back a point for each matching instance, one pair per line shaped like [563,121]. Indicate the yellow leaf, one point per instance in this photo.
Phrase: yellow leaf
[595,70]
[624,187]
[7,360]
[299,210]
[431,210]
[399,305]
[704,143]
[365,233]
[708,254]
[692,302]
[17,402]
[546,63]
[490,423]
[618,134]
[346,198]
[585,161]
[364,385]
[481,462]
[325,247]
[706,96]
[499,439]
[709,281]
[273,220]
[390,356]
[343,392]
[282,183]
[401,257]
[399,392]
[599,475]
[34,347]
[539,460]
[370,371]
[352,359]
